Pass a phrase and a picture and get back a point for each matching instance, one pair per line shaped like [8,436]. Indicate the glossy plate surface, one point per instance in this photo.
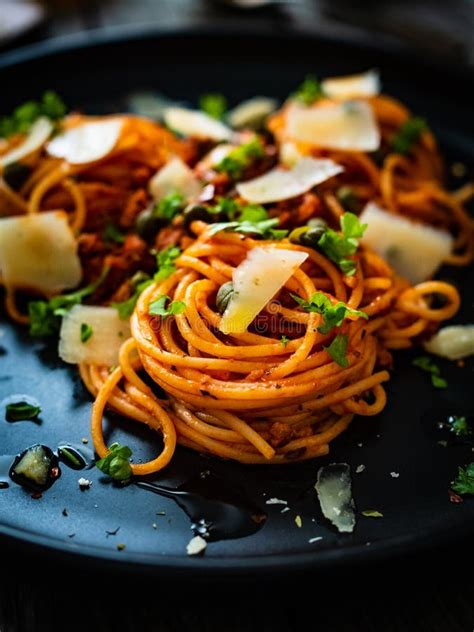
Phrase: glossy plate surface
[96,76]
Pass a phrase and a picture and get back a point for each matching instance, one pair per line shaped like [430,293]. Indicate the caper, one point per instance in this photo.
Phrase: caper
[348,199]
[15,174]
[311,237]
[224,296]
[297,233]
[197,212]
[319,223]
[147,225]
[308,235]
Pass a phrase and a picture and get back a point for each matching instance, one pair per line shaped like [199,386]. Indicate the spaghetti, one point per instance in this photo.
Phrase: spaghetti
[249,397]
[273,394]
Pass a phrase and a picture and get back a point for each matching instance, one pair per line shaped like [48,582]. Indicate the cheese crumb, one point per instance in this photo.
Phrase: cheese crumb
[360,468]
[196,545]
[276,501]
[84,483]
[394,474]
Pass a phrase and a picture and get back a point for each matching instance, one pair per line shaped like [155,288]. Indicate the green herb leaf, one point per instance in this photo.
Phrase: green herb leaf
[284,340]
[309,91]
[159,307]
[352,229]
[249,219]
[408,135]
[253,213]
[23,117]
[333,314]
[53,106]
[240,158]
[459,426]
[165,260]
[425,363]
[86,332]
[438,382]
[213,104]
[169,206]
[116,464]
[464,483]
[338,350]
[125,308]
[339,247]
[226,206]
[262,229]
[21,411]
[112,234]
[372,513]
[45,316]
[43,322]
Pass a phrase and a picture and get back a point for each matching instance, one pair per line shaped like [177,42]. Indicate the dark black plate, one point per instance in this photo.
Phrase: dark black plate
[96,75]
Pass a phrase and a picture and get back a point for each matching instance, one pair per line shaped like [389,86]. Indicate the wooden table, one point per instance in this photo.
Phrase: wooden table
[432,592]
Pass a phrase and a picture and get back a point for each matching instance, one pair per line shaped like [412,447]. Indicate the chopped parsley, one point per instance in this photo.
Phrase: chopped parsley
[23,117]
[112,234]
[116,464]
[86,332]
[425,363]
[339,247]
[161,307]
[140,282]
[165,260]
[333,314]
[21,411]
[169,206]
[372,513]
[226,206]
[253,220]
[45,316]
[338,350]
[213,104]
[408,135]
[284,340]
[309,91]
[240,158]
[464,483]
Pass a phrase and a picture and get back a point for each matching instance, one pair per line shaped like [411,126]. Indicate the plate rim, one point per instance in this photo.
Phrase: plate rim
[277,563]
[117,34]
[175,566]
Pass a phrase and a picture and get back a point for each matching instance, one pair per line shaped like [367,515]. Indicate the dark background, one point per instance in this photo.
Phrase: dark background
[429,592]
